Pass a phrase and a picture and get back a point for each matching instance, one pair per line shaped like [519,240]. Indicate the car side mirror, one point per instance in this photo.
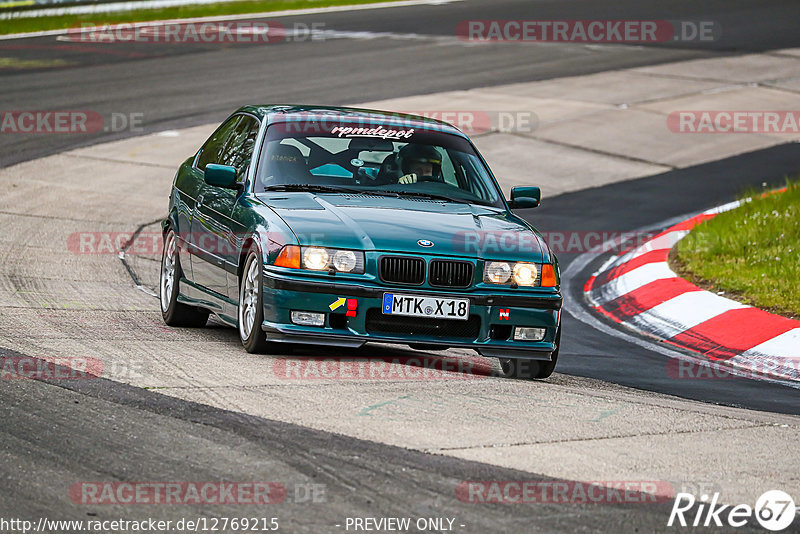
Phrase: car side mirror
[525,197]
[220,176]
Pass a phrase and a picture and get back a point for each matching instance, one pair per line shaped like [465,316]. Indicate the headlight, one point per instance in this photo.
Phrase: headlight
[345,260]
[525,274]
[497,272]
[315,258]
[321,259]
[520,273]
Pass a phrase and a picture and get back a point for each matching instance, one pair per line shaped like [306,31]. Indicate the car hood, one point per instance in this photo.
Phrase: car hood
[397,224]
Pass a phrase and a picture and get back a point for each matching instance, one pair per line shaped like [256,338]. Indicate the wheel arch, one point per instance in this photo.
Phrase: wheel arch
[169,222]
[248,242]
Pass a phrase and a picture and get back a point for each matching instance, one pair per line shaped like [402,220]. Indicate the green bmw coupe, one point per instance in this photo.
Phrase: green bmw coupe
[340,226]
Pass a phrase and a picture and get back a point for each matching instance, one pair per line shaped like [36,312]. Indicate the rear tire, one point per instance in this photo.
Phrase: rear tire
[176,313]
[531,369]
[251,305]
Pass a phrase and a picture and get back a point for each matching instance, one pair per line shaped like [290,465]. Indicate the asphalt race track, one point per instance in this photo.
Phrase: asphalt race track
[56,432]
[360,478]
[185,84]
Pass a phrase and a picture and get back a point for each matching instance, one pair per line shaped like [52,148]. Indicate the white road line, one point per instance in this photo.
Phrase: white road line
[109,7]
[147,290]
[725,207]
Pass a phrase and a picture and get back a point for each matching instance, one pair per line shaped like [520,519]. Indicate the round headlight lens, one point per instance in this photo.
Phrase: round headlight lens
[344,260]
[525,274]
[315,258]
[498,272]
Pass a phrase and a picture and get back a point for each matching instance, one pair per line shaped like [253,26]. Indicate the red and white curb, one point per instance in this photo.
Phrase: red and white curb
[640,291]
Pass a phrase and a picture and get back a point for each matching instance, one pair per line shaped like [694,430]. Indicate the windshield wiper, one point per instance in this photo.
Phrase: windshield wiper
[311,188]
[314,188]
[431,196]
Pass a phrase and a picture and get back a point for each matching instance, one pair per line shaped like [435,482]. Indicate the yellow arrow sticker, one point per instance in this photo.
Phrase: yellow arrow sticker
[338,304]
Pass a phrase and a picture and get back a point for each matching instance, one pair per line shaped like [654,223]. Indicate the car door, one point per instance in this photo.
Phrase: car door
[203,231]
[239,210]
[212,226]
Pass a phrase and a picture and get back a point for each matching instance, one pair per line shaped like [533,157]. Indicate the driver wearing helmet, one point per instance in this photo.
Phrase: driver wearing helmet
[419,163]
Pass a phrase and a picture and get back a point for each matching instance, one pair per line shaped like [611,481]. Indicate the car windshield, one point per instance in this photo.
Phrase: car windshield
[374,159]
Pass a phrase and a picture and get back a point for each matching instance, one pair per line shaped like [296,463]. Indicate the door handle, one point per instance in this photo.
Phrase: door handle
[199,201]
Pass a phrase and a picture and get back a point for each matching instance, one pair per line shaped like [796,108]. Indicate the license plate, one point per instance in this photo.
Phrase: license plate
[419,306]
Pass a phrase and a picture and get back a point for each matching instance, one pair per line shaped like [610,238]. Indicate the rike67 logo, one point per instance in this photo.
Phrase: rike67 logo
[774,510]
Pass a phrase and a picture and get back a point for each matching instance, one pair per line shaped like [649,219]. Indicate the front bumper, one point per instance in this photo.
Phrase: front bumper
[493,317]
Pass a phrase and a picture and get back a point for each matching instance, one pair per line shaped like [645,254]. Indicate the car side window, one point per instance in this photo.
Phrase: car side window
[213,148]
[239,149]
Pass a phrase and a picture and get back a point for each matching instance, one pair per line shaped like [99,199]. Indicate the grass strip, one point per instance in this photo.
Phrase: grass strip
[31,24]
[750,254]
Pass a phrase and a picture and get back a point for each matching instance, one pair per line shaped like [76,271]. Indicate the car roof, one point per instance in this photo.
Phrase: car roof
[277,113]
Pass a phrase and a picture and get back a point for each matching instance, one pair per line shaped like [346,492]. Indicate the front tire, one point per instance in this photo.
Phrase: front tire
[176,313]
[251,305]
[531,369]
